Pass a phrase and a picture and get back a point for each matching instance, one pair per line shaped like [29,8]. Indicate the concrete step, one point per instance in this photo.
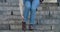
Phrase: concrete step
[4,27]
[11,7]
[23,31]
[55,14]
[45,8]
[8,8]
[12,1]
[15,6]
[14,13]
[7,17]
[50,8]
[38,12]
[49,21]
[9,4]
[19,27]
[11,22]
[40,21]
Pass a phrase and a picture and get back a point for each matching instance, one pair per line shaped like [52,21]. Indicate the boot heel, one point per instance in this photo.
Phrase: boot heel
[23,26]
[31,27]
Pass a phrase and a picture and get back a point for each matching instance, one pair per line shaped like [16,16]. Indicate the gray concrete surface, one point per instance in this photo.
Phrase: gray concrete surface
[13,22]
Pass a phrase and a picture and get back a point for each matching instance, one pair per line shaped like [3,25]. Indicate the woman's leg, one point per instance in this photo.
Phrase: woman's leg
[26,13]
[26,10]
[35,4]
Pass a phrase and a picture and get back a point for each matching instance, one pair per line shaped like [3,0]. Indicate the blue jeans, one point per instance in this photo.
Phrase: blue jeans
[30,7]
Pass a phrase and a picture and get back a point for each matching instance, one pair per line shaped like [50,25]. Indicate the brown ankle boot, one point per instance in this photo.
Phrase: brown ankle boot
[31,27]
[23,26]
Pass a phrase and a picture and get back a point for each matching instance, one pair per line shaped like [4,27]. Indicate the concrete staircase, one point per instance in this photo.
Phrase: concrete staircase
[47,22]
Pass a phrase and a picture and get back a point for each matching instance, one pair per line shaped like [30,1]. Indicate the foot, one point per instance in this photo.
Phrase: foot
[23,26]
[31,27]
